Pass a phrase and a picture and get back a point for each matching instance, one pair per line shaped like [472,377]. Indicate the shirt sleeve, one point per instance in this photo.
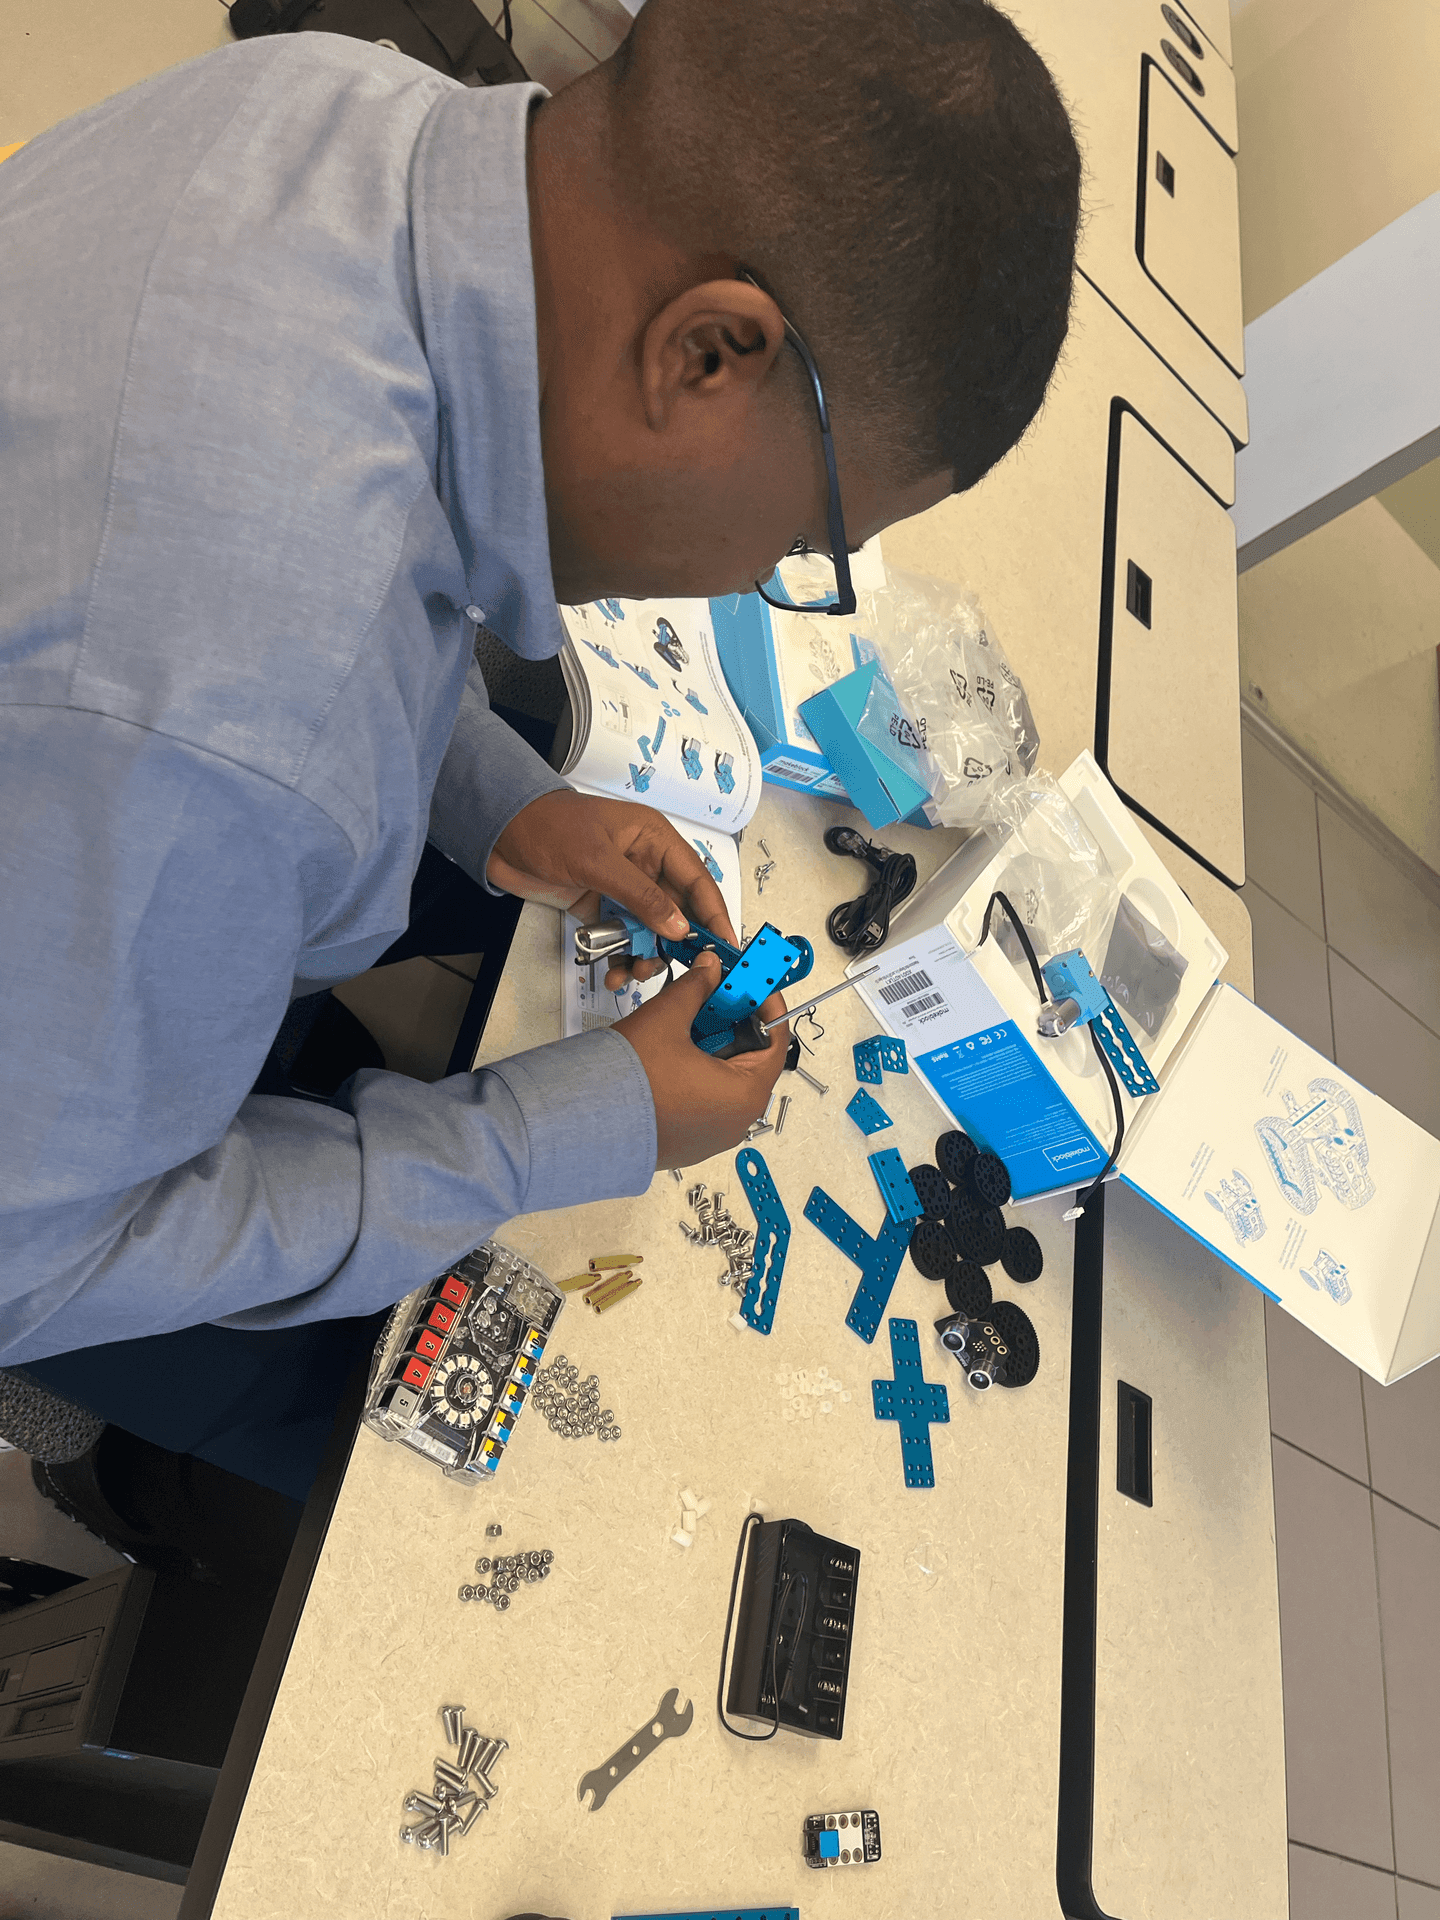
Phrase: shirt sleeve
[488,775]
[153,898]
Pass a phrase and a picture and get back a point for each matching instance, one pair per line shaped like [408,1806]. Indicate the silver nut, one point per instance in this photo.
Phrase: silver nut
[482,1565]
[546,1556]
[501,1602]
[493,1530]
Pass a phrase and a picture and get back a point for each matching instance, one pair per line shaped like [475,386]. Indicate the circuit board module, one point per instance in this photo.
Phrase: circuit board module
[457,1358]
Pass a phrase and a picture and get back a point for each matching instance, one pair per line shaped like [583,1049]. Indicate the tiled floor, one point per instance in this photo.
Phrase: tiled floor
[1347,954]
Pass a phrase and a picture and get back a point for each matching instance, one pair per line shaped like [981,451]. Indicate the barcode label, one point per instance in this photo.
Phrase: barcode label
[904,984]
[799,770]
[909,1011]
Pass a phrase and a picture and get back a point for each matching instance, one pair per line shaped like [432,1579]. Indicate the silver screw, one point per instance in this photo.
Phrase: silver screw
[780,1116]
[818,1085]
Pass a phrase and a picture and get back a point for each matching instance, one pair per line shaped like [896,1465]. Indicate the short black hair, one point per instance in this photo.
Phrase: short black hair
[900,174]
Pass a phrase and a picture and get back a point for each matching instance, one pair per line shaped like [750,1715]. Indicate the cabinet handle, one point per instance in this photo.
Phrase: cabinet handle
[1133,1437]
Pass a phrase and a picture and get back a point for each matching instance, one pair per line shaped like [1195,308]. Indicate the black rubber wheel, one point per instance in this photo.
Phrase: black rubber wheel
[932,1250]
[963,1206]
[1022,1362]
[1021,1256]
[979,1236]
[990,1179]
[953,1153]
[933,1190]
[967,1289]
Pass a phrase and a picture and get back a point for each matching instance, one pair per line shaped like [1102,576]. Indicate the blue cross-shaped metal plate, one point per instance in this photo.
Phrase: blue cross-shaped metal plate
[878,1259]
[913,1401]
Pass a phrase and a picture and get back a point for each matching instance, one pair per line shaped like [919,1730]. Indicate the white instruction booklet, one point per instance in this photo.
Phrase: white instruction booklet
[653,720]
[1302,1178]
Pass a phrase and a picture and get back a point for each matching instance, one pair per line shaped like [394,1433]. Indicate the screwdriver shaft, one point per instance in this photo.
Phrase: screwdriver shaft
[829,993]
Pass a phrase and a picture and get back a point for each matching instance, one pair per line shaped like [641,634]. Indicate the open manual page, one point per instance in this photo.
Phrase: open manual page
[1303,1179]
[653,720]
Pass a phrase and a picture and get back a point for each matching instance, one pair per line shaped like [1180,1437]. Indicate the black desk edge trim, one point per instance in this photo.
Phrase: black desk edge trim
[1075,1821]
[202,1885]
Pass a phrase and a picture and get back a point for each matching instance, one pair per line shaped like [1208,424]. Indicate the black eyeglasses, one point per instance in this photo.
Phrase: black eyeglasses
[844,602]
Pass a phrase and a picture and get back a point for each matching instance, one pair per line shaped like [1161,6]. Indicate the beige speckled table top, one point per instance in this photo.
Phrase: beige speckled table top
[952,1718]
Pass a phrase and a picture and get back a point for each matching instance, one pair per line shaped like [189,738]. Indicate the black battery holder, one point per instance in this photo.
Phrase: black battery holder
[793,1630]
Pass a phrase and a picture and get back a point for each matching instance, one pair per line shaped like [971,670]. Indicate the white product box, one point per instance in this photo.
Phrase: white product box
[1288,1169]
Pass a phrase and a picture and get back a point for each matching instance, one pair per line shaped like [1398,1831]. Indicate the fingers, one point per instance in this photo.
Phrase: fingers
[610,872]
[772,1008]
[660,850]
[688,994]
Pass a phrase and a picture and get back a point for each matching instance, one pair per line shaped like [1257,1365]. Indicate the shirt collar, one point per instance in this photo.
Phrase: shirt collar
[477,301]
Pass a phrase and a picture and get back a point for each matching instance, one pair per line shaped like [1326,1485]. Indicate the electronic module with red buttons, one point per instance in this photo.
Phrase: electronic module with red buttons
[455,1362]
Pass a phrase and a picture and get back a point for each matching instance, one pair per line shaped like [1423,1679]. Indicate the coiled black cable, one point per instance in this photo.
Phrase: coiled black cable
[863,924]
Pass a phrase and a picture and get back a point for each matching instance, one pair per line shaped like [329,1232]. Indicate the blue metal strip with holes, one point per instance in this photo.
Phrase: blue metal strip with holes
[913,1402]
[867,1113]
[772,1241]
[1126,1058]
[878,1259]
[897,1189]
[720,1913]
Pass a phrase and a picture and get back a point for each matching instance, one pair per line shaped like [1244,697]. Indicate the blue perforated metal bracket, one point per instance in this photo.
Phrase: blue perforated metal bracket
[867,1113]
[1070,978]
[893,1057]
[878,1259]
[867,1061]
[772,1241]
[897,1189]
[1126,1058]
[914,1402]
[766,964]
[720,1913]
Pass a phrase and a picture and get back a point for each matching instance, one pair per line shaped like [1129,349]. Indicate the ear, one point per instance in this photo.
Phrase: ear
[713,343]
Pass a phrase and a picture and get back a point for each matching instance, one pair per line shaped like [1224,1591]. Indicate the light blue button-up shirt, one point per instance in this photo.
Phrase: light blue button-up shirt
[269,427]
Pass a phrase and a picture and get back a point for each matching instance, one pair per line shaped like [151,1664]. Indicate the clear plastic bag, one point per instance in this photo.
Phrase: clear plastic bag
[1055,874]
[948,694]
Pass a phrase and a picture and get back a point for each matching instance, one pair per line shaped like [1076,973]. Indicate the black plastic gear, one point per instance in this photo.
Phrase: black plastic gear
[967,1289]
[989,1179]
[978,1236]
[932,1250]
[1021,1256]
[953,1153]
[932,1189]
[1022,1362]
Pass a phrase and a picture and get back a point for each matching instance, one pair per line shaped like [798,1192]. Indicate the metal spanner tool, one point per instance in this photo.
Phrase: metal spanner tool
[664,1724]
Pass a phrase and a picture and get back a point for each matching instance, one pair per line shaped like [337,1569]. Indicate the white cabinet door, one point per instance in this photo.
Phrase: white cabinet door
[1188,230]
[1188,1756]
[1169,733]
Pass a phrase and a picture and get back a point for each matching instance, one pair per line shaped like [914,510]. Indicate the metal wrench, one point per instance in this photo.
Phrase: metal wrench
[664,1724]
